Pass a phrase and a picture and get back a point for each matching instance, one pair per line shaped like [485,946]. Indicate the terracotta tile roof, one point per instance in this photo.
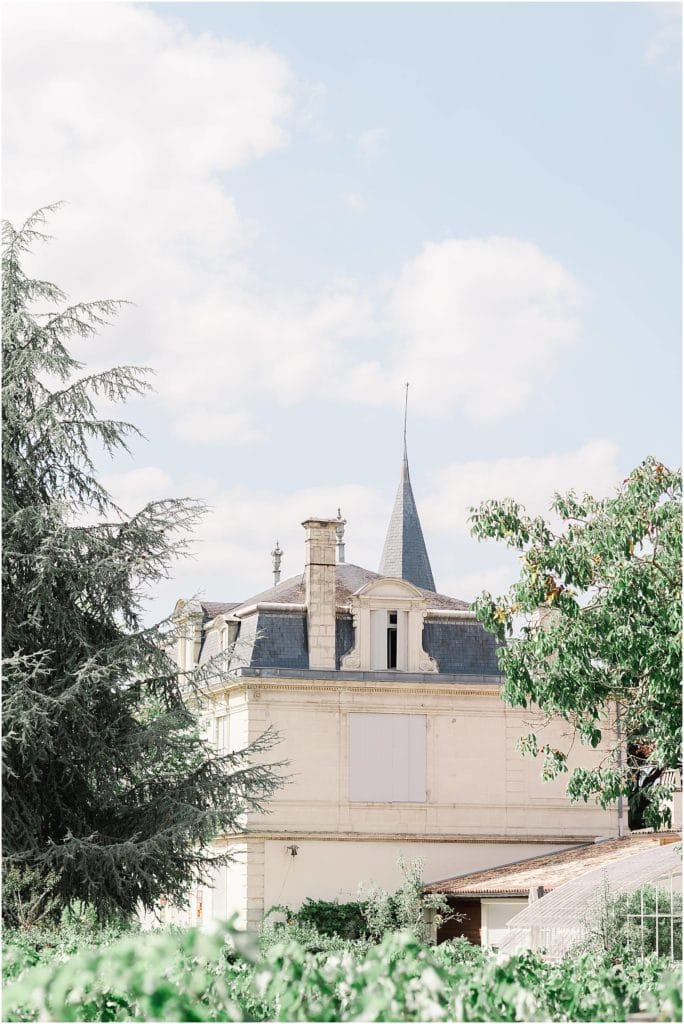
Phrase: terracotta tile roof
[551,870]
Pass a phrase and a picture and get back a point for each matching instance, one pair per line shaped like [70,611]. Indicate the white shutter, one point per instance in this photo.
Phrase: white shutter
[223,734]
[402,641]
[378,639]
[387,758]
[370,764]
[219,895]
[417,758]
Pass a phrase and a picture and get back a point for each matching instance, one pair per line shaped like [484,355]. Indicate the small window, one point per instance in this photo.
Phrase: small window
[391,640]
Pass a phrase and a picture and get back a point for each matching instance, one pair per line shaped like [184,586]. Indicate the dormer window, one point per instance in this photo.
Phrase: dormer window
[388,626]
[391,640]
[228,635]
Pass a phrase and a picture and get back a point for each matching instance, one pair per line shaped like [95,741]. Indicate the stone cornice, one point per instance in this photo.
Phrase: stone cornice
[267,606]
[408,687]
[403,837]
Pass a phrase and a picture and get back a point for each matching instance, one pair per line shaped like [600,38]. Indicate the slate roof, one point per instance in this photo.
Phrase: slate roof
[551,870]
[348,579]
[271,638]
[210,609]
[404,554]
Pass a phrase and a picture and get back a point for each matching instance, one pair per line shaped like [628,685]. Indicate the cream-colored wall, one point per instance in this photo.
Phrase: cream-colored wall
[495,916]
[486,804]
[477,781]
[335,870]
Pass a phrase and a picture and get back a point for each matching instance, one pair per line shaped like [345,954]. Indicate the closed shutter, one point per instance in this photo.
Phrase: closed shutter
[379,639]
[387,758]
[402,641]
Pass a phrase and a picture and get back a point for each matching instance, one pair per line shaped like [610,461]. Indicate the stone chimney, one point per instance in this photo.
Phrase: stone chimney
[319,590]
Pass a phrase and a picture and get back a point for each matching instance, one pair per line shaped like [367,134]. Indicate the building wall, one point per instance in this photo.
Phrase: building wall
[486,805]
[477,782]
[334,869]
[496,913]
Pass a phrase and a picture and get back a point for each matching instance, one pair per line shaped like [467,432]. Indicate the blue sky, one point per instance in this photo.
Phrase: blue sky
[311,203]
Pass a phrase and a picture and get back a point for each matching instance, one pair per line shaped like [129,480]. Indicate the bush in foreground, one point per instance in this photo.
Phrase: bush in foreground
[223,975]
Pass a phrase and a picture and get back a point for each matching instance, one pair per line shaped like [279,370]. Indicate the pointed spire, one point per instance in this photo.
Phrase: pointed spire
[404,554]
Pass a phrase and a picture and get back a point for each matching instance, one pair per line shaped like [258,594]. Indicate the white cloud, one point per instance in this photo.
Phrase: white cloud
[467,586]
[665,45]
[232,544]
[136,121]
[371,144]
[224,428]
[133,120]
[132,490]
[483,324]
[354,202]
[530,480]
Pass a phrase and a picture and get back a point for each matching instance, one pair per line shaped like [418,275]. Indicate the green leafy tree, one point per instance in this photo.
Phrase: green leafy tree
[600,641]
[111,795]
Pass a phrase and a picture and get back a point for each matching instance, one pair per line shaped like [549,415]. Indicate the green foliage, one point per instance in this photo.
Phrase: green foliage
[330,917]
[111,795]
[370,918]
[78,929]
[408,908]
[164,976]
[627,922]
[221,975]
[310,939]
[601,605]
[31,895]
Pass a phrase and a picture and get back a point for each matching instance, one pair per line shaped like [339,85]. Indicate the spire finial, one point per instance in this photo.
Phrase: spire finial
[405,416]
[339,530]
[276,555]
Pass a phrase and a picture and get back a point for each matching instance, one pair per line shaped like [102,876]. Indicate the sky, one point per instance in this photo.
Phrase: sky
[309,205]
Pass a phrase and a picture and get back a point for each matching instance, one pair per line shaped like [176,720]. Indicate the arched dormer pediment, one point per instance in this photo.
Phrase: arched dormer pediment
[187,616]
[388,616]
[185,609]
[388,587]
[226,627]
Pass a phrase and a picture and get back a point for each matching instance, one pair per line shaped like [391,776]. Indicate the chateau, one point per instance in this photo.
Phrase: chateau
[386,695]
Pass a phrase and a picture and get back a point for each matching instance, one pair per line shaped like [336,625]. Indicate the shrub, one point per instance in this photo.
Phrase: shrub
[330,917]
[78,930]
[410,907]
[221,975]
[627,922]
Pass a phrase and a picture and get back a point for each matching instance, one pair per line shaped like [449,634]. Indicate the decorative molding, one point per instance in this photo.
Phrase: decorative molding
[451,613]
[402,837]
[450,689]
[384,594]
[267,606]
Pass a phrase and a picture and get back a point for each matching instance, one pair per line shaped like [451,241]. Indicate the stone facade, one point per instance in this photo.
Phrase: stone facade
[386,696]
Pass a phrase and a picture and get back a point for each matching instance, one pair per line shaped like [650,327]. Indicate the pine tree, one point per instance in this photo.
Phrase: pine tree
[111,794]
